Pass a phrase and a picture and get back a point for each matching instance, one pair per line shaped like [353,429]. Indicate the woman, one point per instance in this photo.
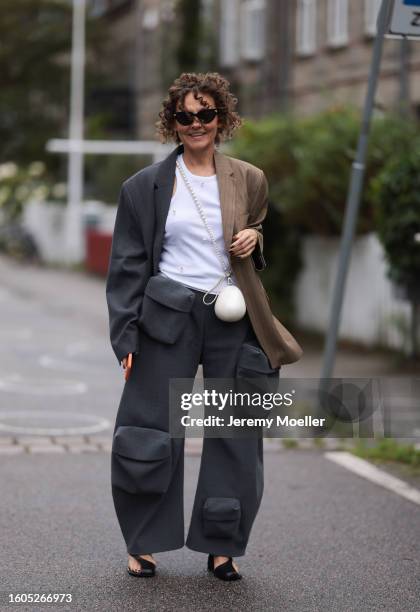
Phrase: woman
[166,269]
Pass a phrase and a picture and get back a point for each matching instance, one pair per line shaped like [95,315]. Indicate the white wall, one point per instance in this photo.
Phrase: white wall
[371,314]
[46,223]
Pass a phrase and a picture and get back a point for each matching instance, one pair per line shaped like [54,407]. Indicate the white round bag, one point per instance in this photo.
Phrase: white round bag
[230,304]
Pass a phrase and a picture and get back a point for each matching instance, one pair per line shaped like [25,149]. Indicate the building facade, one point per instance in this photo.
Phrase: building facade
[302,55]
[308,54]
[332,56]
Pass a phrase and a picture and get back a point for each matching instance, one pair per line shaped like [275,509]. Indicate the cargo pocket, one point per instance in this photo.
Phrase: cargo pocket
[254,374]
[221,517]
[253,363]
[141,460]
[165,307]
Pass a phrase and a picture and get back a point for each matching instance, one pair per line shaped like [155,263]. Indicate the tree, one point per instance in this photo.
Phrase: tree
[190,35]
[35,49]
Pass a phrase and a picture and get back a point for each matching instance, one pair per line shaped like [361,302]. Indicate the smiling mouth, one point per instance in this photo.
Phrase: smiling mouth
[197,135]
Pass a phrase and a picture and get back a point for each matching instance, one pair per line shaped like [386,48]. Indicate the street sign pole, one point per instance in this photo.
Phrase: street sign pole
[354,193]
[73,235]
[404,93]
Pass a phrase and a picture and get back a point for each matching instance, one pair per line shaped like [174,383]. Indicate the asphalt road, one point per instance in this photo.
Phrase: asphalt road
[324,539]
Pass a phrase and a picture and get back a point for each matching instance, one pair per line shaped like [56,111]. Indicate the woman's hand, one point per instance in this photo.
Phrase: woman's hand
[244,243]
[126,364]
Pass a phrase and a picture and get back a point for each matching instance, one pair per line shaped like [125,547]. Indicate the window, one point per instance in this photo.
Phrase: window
[306,27]
[97,7]
[229,35]
[337,23]
[371,15]
[253,29]
[114,4]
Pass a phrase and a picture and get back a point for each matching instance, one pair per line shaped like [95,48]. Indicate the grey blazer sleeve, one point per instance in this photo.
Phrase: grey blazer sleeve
[126,270]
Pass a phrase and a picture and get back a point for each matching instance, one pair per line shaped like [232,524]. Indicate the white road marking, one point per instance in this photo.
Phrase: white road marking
[4,294]
[16,383]
[52,363]
[98,423]
[77,347]
[73,352]
[370,472]
[22,333]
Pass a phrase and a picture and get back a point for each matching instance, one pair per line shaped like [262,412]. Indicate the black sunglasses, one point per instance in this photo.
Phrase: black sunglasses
[205,115]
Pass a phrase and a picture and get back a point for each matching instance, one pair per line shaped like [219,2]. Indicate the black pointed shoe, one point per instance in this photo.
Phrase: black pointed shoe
[224,571]
[148,569]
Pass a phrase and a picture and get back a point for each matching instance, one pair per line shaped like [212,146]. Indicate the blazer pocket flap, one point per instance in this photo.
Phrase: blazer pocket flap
[141,443]
[170,293]
[221,509]
[252,358]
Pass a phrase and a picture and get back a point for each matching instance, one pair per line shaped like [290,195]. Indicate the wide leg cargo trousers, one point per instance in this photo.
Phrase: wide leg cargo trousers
[177,333]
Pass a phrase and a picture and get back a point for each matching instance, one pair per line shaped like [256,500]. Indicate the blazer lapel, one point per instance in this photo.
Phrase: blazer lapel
[164,183]
[227,191]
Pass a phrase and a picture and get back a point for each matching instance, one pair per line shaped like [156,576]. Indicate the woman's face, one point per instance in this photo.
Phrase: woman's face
[197,136]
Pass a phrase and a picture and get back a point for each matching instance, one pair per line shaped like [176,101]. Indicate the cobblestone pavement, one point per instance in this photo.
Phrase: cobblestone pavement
[14,445]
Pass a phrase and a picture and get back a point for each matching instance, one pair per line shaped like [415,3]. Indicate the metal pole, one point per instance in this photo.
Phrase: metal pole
[414,326]
[353,196]
[74,245]
[404,93]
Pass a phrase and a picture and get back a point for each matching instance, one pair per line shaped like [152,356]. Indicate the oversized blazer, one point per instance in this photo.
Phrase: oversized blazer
[137,243]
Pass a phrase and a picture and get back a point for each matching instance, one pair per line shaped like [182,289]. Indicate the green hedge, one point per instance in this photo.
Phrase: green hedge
[396,195]
[308,163]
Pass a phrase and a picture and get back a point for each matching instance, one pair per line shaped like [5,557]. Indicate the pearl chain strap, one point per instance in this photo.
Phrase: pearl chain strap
[226,270]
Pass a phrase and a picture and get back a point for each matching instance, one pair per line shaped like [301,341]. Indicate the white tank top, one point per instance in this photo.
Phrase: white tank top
[188,255]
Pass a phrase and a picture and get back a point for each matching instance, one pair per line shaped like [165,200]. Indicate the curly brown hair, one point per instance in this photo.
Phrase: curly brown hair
[211,83]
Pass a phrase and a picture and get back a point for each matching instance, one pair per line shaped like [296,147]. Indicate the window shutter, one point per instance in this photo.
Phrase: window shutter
[306,27]
[229,35]
[371,15]
[253,29]
[337,22]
